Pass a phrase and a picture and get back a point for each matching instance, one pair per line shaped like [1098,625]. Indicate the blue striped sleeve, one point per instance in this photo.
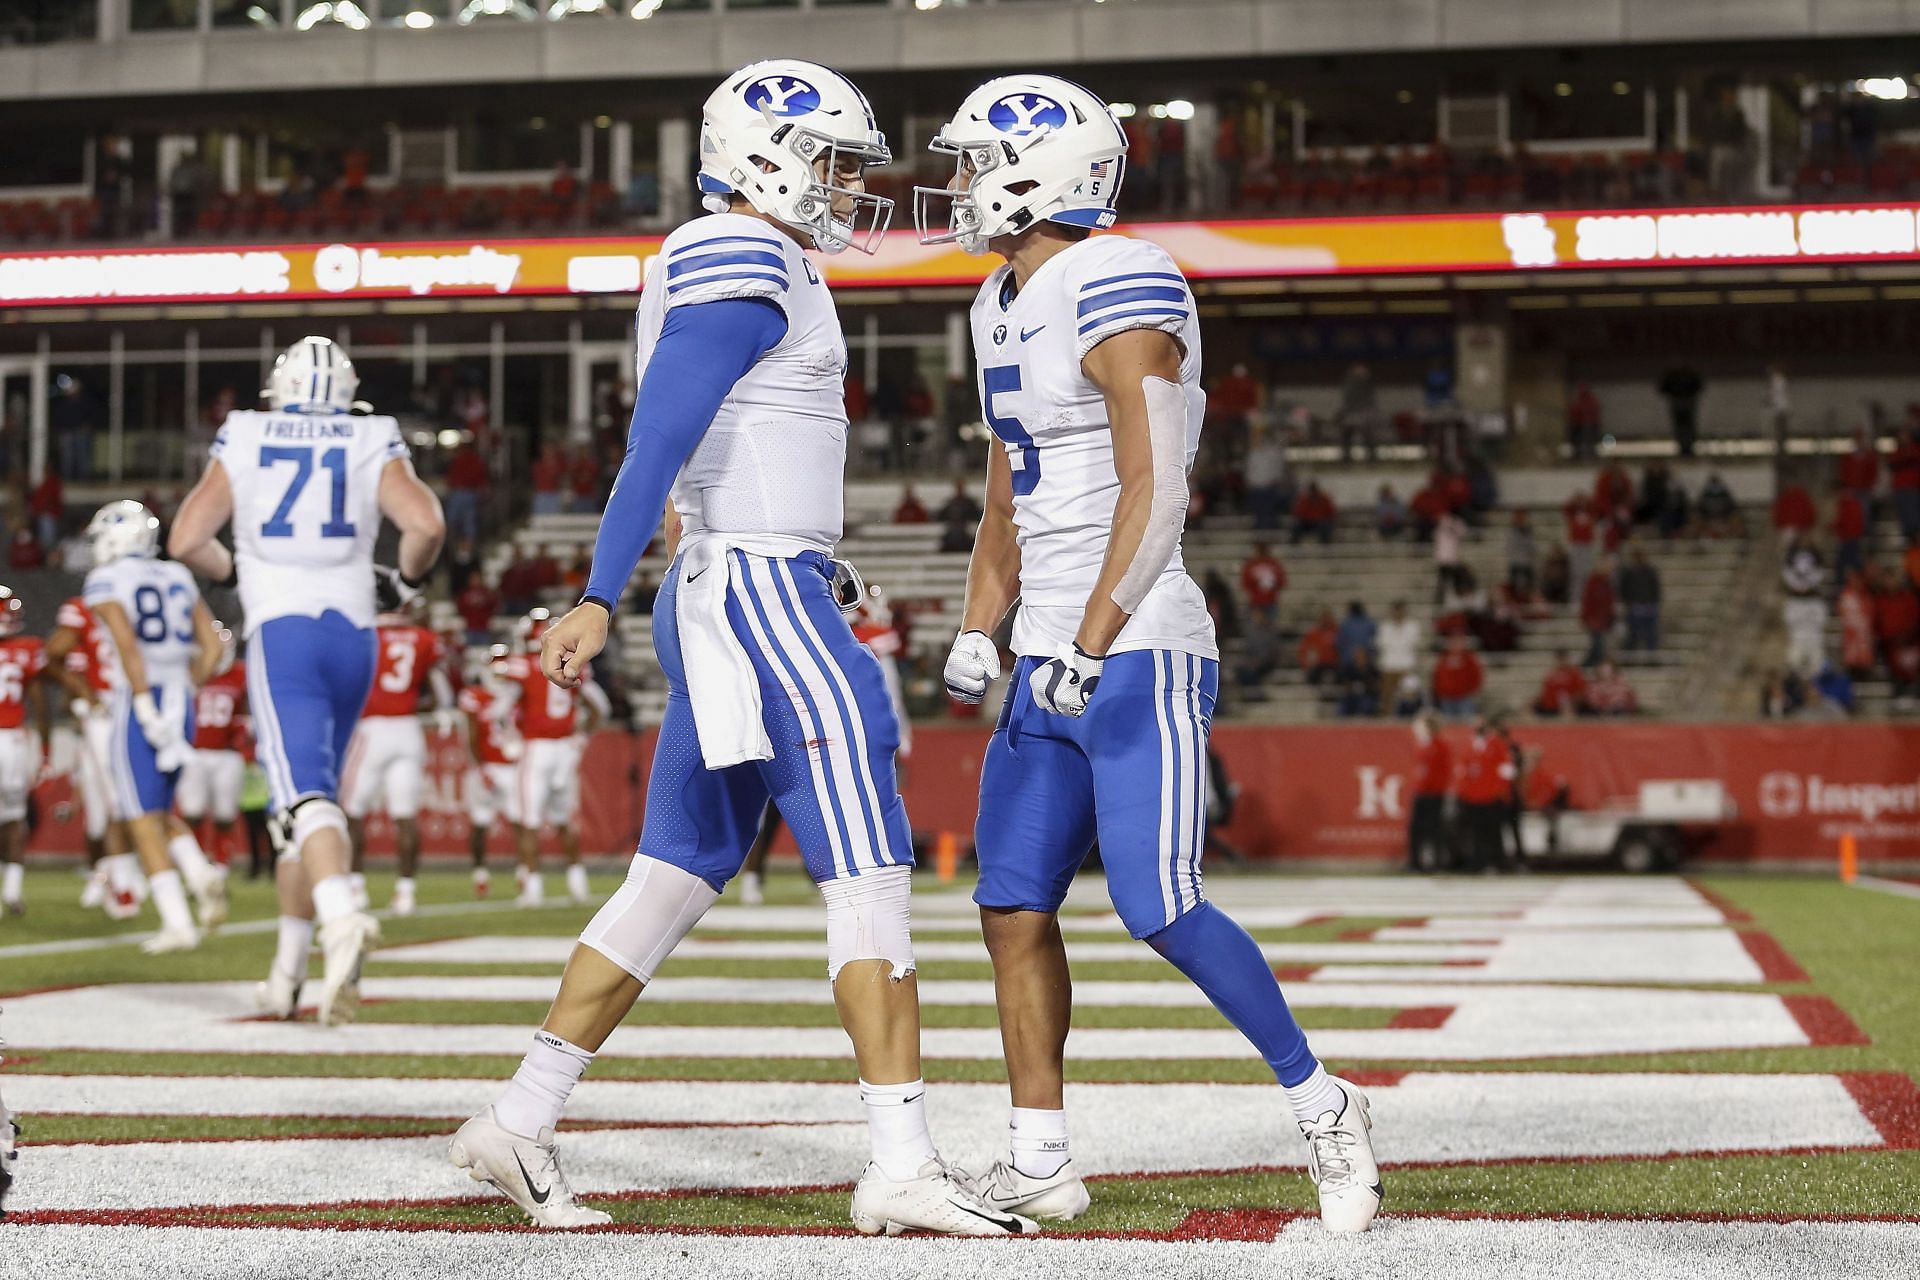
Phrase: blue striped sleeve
[703,246]
[679,265]
[1119,297]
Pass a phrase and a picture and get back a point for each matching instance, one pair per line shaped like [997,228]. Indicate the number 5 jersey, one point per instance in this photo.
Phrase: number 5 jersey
[1052,421]
[306,510]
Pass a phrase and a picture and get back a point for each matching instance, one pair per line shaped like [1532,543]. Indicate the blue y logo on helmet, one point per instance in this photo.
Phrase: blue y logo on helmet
[783,96]
[1026,112]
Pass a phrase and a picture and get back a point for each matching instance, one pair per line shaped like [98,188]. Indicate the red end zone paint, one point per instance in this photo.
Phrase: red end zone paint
[1733,914]
[1295,972]
[1775,964]
[1891,1101]
[1421,1018]
[1825,1022]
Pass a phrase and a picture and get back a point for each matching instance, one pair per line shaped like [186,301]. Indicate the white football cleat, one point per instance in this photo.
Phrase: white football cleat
[935,1200]
[403,903]
[9,1154]
[1060,1198]
[525,1170]
[345,943]
[482,882]
[169,940]
[278,996]
[210,896]
[120,903]
[1340,1162]
[577,888]
[95,892]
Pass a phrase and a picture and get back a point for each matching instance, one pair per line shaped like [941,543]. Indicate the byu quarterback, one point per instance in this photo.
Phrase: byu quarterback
[305,484]
[1089,355]
[164,647]
[740,412]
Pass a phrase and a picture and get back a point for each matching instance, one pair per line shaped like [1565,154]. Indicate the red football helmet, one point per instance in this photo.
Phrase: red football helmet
[12,613]
[532,627]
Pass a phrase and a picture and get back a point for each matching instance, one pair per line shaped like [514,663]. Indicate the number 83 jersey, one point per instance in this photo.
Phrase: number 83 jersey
[306,510]
[1052,421]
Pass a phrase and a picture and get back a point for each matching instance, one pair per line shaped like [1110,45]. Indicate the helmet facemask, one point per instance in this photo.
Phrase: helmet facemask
[801,157]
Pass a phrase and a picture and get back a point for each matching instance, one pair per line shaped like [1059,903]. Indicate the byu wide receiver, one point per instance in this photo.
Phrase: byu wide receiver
[305,484]
[1089,354]
[740,411]
[164,647]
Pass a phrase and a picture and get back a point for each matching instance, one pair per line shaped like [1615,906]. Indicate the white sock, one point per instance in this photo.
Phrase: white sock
[1037,1141]
[1315,1096]
[577,881]
[10,881]
[535,887]
[290,957]
[333,898]
[171,901]
[191,859]
[403,887]
[359,884]
[539,1090]
[481,875]
[897,1124]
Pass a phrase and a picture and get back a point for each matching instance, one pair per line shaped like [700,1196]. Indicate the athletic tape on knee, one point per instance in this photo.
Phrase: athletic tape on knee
[870,917]
[1167,515]
[312,815]
[647,915]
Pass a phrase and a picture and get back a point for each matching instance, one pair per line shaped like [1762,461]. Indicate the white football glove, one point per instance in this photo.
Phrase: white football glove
[972,666]
[170,750]
[1064,685]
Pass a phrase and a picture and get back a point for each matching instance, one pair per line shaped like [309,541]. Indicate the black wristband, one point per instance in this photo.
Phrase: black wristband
[414,584]
[232,579]
[597,600]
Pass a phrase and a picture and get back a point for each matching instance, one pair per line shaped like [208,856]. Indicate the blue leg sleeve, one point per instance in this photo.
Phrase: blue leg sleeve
[1223,961]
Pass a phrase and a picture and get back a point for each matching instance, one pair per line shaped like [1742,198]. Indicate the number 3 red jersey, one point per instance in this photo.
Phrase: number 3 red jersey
[544,710]
[21,659]
[218,709]
[92,657]
[407,655]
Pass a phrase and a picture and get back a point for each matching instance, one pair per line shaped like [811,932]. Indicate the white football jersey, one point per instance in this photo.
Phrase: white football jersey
[158,597]
[774,460]
[306,509]
[1053,423]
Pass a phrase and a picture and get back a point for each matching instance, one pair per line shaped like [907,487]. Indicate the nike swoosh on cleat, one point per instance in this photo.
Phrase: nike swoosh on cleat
[1005,1224]
[539,1195]
[1028,333]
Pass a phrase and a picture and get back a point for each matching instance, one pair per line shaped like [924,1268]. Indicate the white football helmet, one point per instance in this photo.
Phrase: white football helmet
[120,529]
[312,376]
[792,115]
[1028,148]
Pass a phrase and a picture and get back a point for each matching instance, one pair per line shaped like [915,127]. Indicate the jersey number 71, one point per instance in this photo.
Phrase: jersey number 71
[280,525]
[994,380]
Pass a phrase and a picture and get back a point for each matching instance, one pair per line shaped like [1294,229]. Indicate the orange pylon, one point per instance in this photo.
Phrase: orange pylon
[1849,857]
[946,856]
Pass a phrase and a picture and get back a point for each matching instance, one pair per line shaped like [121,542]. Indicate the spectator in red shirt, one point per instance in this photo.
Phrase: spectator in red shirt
[1856,626]
[543,571]
[1599,608]
[583,480]
[1849,533]
[25,551]
[1793,512]
[1580,538]
[1564,690]
[1313,514]
[549,478]
[1858,471]
[1263,578]
[1612,489]
[1904,469]
[1609,694]
[856,399]
[1454,487]
[911,510]
[1320,650]
[1484,782]
[1427,507]
[47,504]
[1432,780]
[1583,423]
[1458,679]
[466,481]
[477,606]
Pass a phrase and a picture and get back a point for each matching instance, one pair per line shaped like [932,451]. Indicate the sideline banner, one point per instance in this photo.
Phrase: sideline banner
[1243,249]
[1323,791]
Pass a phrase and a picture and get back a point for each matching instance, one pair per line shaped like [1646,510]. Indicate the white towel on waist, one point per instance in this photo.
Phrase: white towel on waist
[721,681]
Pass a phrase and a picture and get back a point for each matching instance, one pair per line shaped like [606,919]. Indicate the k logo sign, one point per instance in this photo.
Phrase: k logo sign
[783,96]
[1379,795]
[1026,112]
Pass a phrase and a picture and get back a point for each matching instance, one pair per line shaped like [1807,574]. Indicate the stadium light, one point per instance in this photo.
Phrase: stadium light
[568,8]
[1124,110]
[645,9]
[1180,109]
[344,12]
[418,20]
[924,5]
[1885,88]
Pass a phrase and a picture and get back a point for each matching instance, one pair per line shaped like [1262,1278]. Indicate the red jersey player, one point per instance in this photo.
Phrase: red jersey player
[387,761]
[23,660]
[80,656]
[547,781]
[210,782]
[496,753]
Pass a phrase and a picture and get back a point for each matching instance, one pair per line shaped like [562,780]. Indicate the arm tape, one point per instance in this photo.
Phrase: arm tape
[1167,516]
